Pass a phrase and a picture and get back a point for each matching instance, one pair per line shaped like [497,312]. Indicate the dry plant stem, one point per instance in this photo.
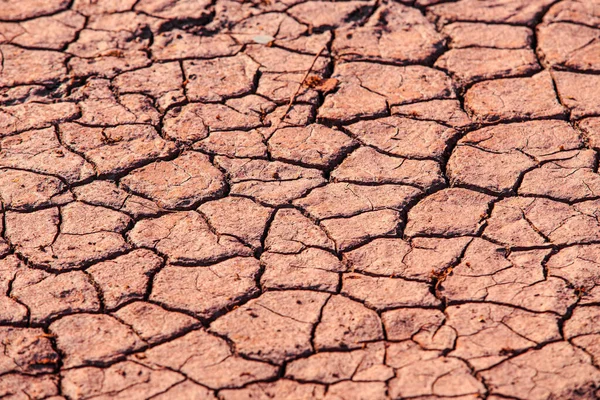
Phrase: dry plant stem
[293,98]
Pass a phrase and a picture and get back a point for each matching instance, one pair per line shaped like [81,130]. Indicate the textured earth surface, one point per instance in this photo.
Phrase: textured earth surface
[226,199]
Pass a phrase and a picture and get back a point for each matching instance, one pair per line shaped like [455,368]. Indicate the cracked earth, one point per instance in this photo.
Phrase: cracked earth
[366,199]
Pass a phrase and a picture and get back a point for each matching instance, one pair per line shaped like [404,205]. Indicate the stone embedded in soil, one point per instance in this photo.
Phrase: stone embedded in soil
[185,238]
[206,291]
[275,327]
[179,183]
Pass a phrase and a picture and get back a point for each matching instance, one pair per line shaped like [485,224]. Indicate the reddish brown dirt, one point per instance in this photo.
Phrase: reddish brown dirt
[352,200]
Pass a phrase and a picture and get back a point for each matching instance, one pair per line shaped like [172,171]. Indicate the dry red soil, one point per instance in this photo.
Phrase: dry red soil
[224,199]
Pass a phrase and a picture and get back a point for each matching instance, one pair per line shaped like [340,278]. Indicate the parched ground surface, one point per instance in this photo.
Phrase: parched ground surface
[422,223]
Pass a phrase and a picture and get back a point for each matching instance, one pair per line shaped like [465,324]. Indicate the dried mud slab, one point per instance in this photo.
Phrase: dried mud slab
[523,222]
[185,237]
[69,237]
[206,291]
[180,183]
[299,199]
[517,12]
[575,91]
[569,46]
[292,314]
[497,36]
[567,373]
[449,212]
[497,158]
[394,33]
[513,99]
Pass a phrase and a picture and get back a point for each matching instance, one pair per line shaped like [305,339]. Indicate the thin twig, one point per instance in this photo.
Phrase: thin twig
[293,98]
